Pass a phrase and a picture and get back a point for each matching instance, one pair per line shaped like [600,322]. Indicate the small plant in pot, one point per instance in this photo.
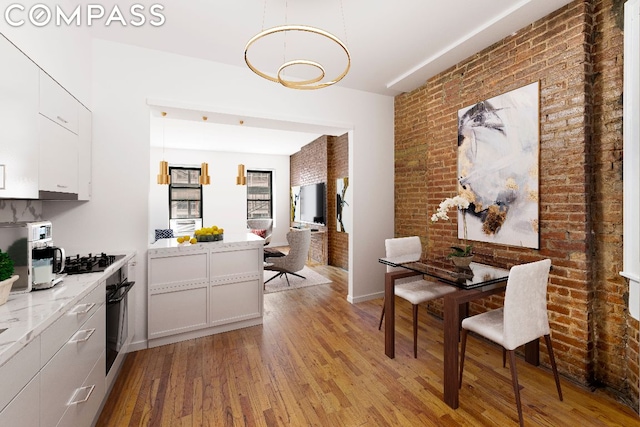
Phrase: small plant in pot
[6,266]
[6,276]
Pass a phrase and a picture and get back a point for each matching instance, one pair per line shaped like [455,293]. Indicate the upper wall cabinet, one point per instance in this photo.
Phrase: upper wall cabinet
[59,142]
[84,153]
[18,130]
[57,104]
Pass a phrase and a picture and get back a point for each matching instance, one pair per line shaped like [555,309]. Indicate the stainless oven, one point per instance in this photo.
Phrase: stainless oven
[117,290]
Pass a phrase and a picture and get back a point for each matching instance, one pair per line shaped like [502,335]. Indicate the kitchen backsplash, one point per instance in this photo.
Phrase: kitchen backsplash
[20,210]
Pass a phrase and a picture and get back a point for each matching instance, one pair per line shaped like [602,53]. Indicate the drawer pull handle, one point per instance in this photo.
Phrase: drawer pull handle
[81,395]
[82,336]
[62,119]
[61,186]
[87,308]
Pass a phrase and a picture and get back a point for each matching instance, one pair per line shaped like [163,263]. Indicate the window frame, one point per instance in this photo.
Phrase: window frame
[172,185]
[271,195]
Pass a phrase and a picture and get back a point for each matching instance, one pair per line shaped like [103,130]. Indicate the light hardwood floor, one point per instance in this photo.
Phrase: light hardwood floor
[319,361]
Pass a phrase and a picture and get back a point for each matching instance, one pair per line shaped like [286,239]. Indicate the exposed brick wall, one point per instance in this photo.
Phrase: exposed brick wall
[575,53]
[616,331]
[310,166]
[338,169]
[325,160]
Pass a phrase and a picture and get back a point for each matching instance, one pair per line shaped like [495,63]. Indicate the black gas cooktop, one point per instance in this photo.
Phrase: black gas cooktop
[89,264]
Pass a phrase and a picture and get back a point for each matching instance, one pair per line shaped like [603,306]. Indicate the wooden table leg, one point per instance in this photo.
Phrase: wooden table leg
[451,310]
[389,317]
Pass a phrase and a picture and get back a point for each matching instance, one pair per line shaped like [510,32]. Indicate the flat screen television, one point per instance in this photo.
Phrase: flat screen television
[312,203]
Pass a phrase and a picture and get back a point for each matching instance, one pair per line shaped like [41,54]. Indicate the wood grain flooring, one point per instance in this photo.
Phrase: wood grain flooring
[319,361]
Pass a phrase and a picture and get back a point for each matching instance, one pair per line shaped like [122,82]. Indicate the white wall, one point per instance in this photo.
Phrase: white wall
[126,77]
[224,202]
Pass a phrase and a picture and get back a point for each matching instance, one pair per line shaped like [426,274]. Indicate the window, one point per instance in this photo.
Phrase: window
[259,194]
[185,193]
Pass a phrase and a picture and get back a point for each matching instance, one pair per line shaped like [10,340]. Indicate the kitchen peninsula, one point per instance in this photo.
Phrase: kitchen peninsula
[201,289]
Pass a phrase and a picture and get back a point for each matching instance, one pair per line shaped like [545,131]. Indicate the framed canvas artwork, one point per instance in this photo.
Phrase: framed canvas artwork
[498,168]
[343,202]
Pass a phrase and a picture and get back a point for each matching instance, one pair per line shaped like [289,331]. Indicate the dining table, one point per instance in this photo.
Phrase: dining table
[472,283]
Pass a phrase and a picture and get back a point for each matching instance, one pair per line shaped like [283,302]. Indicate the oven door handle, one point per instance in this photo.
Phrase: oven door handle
[114,300]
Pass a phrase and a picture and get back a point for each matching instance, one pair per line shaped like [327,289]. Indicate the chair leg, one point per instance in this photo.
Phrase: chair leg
[516,387]
[504,357]
[415,331]
[463,347]
[552,359]
[296,274]
[287,277]
[381,315]
[277,275]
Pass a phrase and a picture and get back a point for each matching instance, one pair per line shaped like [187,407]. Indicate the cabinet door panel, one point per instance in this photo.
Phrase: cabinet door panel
[57,104]
[24,410]
[177,311]
[88,398]
[18,114]
[236,301]
[175,269]
[58,158]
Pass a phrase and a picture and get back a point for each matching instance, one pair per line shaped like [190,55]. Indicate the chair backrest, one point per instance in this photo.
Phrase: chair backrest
[406,247]
[299,242]
[262,224]
[525,303]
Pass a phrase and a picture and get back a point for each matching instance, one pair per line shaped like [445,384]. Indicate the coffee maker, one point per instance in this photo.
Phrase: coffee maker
[36,261]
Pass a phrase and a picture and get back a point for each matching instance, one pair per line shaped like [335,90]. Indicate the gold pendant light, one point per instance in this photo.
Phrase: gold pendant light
[204,179]
[163,177]
[309,84]
[241,179]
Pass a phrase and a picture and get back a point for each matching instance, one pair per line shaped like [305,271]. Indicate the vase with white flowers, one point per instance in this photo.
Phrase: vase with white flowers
[461,256]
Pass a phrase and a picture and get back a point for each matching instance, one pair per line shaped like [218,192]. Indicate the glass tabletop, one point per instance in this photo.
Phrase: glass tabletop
[476,276]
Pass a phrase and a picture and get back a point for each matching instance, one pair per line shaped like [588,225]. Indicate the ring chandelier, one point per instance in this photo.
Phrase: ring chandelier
[299,84]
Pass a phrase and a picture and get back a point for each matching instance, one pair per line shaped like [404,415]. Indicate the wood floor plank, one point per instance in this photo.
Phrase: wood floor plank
[318,360]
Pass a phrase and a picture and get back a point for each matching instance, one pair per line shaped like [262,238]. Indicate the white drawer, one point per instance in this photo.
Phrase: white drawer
[87,399]
[69,368]
[55,336]
[24,411]
[18,371]
[57,104]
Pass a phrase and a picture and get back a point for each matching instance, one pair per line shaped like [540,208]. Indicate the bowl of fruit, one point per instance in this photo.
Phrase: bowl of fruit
[209,234]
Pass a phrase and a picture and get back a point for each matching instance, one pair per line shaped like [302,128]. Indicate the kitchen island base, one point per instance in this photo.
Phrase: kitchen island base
[203,289]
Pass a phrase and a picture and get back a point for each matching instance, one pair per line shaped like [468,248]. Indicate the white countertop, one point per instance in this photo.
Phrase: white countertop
[230,241]
[26,315]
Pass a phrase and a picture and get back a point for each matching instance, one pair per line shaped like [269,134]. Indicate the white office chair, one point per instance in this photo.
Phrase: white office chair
[294,261]
[522,319]
[415,289]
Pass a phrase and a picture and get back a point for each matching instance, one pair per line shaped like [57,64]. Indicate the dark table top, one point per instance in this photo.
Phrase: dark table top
[476,276]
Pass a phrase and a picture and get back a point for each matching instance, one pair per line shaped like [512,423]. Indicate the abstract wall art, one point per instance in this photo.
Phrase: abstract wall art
[343,202]
[498,165]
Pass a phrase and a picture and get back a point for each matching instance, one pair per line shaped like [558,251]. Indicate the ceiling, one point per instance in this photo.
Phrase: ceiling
[394,46]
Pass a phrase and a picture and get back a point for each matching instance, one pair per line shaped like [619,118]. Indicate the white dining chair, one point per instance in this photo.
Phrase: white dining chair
[523,318]
[414,289]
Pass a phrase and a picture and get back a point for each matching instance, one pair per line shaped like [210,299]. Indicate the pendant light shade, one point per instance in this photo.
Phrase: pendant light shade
[241,179]
[205,179]
[163,176]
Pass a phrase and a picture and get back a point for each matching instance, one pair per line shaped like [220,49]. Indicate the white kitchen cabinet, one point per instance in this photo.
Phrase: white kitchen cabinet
[18,371]
[67,376]
[57,104]
[58,171]
[84,153]
[23,410]
[18,114]
[203,289]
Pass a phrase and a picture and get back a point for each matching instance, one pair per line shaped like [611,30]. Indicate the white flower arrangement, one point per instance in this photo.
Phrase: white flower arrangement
[462,204]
